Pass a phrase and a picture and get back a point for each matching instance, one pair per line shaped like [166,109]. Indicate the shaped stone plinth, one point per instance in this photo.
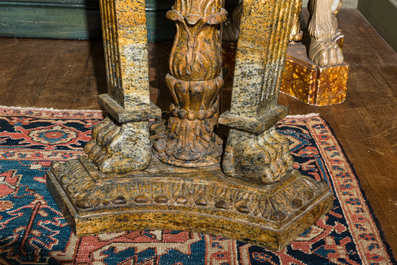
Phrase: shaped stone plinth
[166,197]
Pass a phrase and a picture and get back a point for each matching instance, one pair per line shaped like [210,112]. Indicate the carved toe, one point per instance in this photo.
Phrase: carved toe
[325,52]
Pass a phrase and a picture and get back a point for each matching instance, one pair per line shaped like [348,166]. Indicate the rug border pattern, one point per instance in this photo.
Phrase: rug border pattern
[340,176]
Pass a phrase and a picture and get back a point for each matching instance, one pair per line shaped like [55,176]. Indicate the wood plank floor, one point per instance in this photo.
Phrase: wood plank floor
[70,74]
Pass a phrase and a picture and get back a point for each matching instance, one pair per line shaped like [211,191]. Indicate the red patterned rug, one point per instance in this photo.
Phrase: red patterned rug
[33,230]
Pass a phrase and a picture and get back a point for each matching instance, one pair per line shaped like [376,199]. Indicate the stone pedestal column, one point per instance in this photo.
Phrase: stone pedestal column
[120,143]
[255,151]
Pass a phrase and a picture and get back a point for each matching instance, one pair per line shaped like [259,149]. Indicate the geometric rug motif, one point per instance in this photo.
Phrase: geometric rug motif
[34,231]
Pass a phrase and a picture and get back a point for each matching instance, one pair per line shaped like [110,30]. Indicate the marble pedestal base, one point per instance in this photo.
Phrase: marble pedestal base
[202,200]
[310,83]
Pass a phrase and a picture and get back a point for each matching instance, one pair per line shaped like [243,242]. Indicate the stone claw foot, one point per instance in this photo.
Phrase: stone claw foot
[325,52]
[119,148]
[263,158]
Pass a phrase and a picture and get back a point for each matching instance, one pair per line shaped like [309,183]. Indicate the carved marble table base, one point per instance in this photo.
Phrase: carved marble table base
[167,197]
[121,184]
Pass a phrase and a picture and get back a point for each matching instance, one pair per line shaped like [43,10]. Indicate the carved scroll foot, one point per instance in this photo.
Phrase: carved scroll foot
[325,52]
[119,148]
[262,158]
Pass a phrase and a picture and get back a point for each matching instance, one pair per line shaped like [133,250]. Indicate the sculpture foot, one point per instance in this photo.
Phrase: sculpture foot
[119,148]
[325,52]
[262,158]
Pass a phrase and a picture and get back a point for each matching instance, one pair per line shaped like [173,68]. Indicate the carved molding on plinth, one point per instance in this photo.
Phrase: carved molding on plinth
[163,197]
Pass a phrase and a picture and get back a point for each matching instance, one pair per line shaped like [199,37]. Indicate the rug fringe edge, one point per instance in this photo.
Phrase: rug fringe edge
[53,109]
[46,109]
[303,115]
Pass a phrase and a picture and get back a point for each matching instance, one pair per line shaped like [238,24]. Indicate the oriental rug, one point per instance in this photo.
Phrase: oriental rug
[33,230]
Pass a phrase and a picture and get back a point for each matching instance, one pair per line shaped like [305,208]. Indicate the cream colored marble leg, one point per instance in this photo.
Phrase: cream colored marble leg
[323,24]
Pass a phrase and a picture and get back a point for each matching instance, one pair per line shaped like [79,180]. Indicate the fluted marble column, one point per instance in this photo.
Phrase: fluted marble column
[255,151]
[120,143]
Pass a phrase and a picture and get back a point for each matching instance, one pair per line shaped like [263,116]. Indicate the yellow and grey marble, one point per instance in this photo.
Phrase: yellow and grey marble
[121,143]
[120,148]
[254,150]
[262,158]
[121,115]
[125,42]
[254,125]
[261,51]
[118,186]
[166,197]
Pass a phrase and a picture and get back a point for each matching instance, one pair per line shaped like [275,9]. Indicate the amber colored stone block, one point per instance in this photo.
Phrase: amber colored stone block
[310,83]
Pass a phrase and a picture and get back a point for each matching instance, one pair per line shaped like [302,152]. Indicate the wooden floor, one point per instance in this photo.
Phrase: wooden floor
[70,74]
